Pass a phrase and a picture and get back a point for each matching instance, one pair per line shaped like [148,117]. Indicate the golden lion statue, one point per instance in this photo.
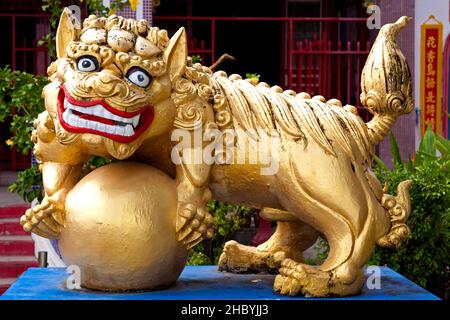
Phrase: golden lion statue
[120,89]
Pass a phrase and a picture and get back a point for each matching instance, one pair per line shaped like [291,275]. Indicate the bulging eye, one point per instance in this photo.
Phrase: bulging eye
[139,77]
[87,64]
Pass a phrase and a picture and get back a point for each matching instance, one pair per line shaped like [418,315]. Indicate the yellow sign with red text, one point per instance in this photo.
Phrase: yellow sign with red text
[431,75]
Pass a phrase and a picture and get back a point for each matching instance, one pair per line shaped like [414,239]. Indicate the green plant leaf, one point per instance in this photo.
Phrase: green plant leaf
[196,58]
[28,184]
[395,151]
[380,163]
[254,76]
[427,144]
[442,144]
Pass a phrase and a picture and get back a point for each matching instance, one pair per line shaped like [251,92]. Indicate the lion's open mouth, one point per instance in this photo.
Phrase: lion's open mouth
[98,117]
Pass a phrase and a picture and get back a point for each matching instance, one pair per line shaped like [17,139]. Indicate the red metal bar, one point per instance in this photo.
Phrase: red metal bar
[349,69]
[35,59]
[358,72]
[299,68]
[319,19]
[24,56]
[339,71]
[202,48]
[309,63]
[314,80]
[283,39]
[322,81]
[13,24]
[291,44]
[332,52]
[330,93]
[306,70]
[37,49]
[46,57]
[14,66]
[213,41]
[200,51]
[25,15]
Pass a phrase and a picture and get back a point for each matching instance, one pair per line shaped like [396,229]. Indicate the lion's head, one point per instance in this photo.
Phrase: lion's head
[112,82]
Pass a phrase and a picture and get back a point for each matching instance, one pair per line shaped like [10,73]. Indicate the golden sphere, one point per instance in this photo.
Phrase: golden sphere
[120,228]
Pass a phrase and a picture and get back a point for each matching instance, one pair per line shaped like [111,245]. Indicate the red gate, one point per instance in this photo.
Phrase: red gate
[329,69]
[316,64]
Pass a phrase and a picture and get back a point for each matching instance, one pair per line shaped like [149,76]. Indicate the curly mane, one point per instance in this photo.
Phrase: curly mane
[243,104]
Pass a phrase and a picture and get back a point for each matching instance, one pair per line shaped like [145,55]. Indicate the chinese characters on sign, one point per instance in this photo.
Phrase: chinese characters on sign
[431,75]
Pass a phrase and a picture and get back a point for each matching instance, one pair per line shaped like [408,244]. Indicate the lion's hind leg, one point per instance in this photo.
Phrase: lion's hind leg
[342,272]
[289,240]
[334,197]
[298,278]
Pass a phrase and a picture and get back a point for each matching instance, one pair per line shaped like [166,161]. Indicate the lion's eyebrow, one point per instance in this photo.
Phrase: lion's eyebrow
[118,65]
[114,67]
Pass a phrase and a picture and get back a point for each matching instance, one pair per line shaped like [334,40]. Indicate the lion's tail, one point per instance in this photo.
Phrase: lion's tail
[386,88]
[399,208]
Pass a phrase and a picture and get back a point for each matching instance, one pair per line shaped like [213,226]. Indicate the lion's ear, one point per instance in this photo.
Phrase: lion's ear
[68,30]
[175,55]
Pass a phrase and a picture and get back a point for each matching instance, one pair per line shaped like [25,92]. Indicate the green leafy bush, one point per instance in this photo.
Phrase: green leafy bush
[425,256]
[228,219]
[20,103]
[253,76]
[196,58]
[198,257]
[28,184]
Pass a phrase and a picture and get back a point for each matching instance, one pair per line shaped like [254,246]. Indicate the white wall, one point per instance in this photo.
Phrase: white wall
[423,9]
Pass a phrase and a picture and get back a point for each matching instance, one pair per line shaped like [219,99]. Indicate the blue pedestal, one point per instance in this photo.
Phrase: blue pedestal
[200,283]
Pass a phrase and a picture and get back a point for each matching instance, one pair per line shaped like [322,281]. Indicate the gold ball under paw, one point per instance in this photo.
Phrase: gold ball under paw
[120,229]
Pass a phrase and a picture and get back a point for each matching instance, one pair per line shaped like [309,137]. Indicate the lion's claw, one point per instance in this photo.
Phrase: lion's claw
[44,219]
[193,224]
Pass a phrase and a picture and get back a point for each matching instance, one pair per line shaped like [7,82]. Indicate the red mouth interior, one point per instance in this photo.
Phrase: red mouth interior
[145,119]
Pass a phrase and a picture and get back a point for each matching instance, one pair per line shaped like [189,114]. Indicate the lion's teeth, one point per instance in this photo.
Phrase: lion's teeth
[136,120]
[129,130]
[123,127]
[119,130]
[100,111]
[66,115]
[109,129]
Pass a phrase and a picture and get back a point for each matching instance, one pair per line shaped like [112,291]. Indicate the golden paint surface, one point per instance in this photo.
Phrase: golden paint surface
[120,228]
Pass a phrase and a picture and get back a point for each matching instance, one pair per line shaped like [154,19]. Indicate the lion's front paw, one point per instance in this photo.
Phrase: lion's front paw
[45,220]
[193,224]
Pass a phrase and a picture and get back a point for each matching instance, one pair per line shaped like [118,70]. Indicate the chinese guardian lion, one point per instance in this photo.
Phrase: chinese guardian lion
[120,88]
